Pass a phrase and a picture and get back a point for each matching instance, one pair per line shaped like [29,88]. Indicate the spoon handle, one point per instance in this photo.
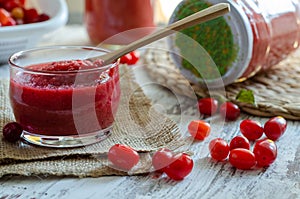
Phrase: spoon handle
[207,14]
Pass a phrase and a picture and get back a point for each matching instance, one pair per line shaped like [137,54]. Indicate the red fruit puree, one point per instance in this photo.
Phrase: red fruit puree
[44,104]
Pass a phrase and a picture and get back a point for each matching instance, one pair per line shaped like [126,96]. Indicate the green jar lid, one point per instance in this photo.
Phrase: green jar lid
[217,52]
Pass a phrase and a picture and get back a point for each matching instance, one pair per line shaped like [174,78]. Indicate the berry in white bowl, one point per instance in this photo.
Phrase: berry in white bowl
[24,35]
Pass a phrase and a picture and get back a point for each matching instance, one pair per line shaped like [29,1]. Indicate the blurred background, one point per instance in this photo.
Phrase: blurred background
[163,10]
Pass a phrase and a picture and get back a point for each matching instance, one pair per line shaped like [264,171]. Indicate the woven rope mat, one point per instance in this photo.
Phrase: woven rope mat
[277,92]
[136,125]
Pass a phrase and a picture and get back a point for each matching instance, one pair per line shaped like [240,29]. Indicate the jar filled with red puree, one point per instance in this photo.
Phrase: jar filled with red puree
[63,99]
[118,21]
[252,37]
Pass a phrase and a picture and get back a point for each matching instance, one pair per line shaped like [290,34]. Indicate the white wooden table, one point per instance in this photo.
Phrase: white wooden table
[207,180]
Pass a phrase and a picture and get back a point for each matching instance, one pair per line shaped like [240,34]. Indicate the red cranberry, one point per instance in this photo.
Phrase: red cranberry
[43,17]
[208,106]
[265,151]
[12,131]
[10,5]
[230,111]
[275,127]
[251,129]
[239,142]
[31,15]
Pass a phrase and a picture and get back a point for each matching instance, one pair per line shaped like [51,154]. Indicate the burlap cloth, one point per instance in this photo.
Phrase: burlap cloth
[152,131]
[276,91]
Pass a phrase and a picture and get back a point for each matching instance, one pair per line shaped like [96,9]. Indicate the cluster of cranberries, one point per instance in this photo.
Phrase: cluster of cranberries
[210,106]
[264,150]
[175,165]
[239,150]
[200,129]
[13,12]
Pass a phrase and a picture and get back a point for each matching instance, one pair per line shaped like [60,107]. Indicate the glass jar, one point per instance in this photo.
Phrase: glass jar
[254,36]
[53,96]
[118,21]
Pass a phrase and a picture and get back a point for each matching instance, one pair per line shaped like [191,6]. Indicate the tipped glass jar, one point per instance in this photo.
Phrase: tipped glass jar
[254,36]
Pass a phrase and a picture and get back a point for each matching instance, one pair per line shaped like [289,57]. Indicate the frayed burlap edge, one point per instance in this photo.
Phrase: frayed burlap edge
[80,166]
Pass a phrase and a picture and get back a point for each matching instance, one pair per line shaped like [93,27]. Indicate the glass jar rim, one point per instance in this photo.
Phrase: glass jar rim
[13,57]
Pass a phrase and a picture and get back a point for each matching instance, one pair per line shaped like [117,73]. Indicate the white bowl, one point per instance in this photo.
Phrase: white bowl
[21,37]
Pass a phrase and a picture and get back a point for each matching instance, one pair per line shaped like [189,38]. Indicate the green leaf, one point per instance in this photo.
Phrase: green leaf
[246,96]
